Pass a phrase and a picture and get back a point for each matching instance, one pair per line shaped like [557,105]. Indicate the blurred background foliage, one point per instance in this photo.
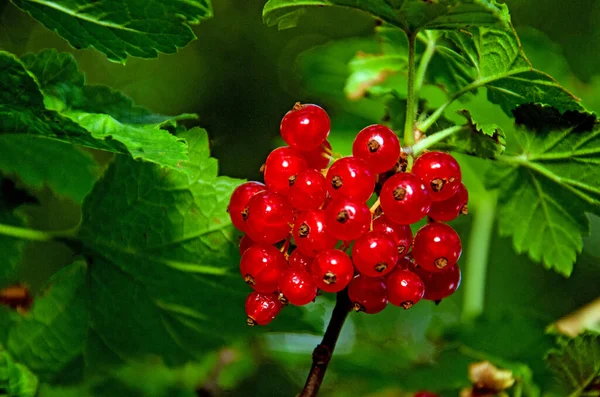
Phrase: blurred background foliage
[241,77]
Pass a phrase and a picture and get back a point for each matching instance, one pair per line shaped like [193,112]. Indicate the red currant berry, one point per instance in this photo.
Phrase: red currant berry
[378,146]
[245,243]
[405,288]
[318,158]
[261,309]
[404,198]
[269,217]
[332,270]
[402,234]
[305,127]
[367,294]
[425,394]
[439,285]
[436,247]
[297,287]
[261,266]
[349,177]
[299,261]
[308,190]
[239,201]
[447,210]
[375,254]
[281,169]
[310,234]
[440,172]
[347,219]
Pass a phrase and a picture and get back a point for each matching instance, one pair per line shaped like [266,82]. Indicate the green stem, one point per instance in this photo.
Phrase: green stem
[477,255]
[435,138]
[411,99]
[430,48]
[36,235]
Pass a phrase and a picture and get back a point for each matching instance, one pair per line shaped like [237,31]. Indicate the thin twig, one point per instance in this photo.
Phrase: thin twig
[324,351]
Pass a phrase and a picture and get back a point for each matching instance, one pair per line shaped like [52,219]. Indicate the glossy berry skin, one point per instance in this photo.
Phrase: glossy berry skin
[261,309]
[375,254]
[436,247]
[239,201]
[318,158]
[269,219]
[245,243]
[404,198]
[308,190]
[440,172]
[447,210]
[368,294]
[350,177]
[310,233]
[347,219]
[402,234]
[378,146]
[261,267]
[299,261]
[281,168]
[305,127]
[332,270]
[297,287]
[439,285]
[405,288]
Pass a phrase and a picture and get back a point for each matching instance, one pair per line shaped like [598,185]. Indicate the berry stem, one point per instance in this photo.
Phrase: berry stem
[324,351]
[375,205]
[484,213]
[37,235]
[435,138]
[411,99]
[286,246]
[430,48]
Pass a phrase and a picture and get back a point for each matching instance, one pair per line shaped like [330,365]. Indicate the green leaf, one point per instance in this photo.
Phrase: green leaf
[53,333]
[410,15]
[121,28]
[11,248]
[71,172]
[502,67]
[16,380]
[368,71]
[576,363]
[547,187]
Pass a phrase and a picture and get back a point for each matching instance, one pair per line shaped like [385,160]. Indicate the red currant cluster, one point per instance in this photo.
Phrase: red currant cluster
[310,209]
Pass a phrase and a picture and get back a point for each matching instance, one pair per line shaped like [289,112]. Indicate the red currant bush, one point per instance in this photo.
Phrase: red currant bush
[305,127]
[440,172]
[269,217]
[308,190]
[368,294]
[261,309]
[261,267]
[439,285]
[404,198]
[281,169]
[436,247]
[297,287]
[332,270]
[310,234]
[404,287]
[245,243]
[449,209]
[350,177]
[239,201]
[378,146]
[318,158]
[402,234]
[346,219]
[298,260]
[375,254]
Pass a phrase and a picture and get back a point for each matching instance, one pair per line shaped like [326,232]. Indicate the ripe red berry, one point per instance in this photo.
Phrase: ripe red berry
[269,217]
[347,219]
[318,158]
[439,285]
[298,260]
[310,234]
[402,234]
[305,127]
[368,294]
[245,243]
[308,190]
[261,309]
[239,201]
[404,198]
[332,270]
[440,172]
[297,287]
[261,266]
[425,394]
[281,168]
[405,288]
[378,146]
[350,177]
[436,247]
[445,211]
[375,254]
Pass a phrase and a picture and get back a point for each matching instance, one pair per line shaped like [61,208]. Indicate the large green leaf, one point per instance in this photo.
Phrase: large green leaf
[121,28]
[576,364]
[11,248]
[16,380]
[410,15]
[547,187]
